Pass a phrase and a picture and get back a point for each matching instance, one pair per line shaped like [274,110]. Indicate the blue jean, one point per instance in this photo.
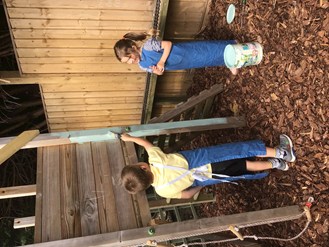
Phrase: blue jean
[229,151]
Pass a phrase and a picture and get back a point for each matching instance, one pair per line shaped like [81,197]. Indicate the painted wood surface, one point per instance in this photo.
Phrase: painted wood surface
[79,192]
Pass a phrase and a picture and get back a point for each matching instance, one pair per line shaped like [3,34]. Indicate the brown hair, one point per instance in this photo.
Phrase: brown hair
[135,178]
[124,47]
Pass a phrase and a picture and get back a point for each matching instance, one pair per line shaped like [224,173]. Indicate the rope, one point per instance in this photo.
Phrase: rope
[249,237]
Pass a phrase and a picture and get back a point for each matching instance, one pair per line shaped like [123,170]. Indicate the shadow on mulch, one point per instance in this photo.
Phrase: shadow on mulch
[286,93]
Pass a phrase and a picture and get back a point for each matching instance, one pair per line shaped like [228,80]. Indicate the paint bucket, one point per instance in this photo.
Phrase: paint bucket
[242,55]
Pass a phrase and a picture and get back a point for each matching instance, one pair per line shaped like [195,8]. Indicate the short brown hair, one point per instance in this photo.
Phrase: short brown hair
[135,178]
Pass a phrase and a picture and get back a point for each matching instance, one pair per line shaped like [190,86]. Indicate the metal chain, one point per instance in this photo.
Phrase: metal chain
[148,76]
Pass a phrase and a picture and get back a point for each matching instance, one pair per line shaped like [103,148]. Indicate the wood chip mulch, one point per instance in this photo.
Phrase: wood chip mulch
[286,93]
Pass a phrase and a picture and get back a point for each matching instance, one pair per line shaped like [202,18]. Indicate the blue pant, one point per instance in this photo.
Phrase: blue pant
[229,151]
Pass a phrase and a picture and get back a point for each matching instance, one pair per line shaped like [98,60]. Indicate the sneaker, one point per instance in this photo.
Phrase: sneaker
[287,148]
[279,164]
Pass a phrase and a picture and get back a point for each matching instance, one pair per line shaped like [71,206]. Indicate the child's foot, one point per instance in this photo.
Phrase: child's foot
[279,164]
[285,149]
[234,71]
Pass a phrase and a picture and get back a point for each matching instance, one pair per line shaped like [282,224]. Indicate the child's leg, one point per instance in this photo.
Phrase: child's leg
[270,152]
[256,166]
[283,151]
[234,71]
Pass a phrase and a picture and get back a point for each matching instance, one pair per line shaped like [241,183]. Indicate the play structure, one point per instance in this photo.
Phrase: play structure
[79,200]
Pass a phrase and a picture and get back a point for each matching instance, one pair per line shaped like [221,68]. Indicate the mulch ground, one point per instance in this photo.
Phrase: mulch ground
[286,93]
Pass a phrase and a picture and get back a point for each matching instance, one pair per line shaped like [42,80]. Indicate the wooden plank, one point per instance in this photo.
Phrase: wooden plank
[69,33]
[84,4]
[17,191]
[69,60]
[187,126]
[51,222]
[93,86]
[38,198]
[16,144]
[67,108]
[162,203]
[183,30]
[63,52]
[94,113]
[142,203]
[216,89]
[105,119]
[78,24]
[79,68]
[24,222]
[92,125]
[105,134]
[180,230]
[107,209]
[39,141]
[77,79]
[66,43]
[124,203]
[93,101]
[69,197]
[87,191]
[95,94]
[80,14]
[163,129]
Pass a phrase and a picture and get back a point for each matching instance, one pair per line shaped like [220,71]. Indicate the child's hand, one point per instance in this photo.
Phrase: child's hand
[156,70]
[125,137]
[160,65]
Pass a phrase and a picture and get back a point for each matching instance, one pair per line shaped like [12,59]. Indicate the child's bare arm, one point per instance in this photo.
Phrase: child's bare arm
[140,141]
[166,46]
[189,193]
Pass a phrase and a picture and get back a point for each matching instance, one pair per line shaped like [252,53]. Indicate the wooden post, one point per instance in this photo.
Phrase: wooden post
[16,144]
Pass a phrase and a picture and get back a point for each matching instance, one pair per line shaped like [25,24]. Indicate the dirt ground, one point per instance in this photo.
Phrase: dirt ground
[286,93]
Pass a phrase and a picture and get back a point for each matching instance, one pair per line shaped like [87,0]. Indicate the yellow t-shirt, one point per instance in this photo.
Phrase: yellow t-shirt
[164,175]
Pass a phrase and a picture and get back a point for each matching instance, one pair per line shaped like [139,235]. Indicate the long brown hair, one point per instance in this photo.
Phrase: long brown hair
[125,47]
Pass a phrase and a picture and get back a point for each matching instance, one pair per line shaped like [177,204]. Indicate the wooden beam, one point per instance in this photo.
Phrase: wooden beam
[162,203]
[16,144]
[189,104]
[17,191]
[180,230]
[24,222]
[96,135]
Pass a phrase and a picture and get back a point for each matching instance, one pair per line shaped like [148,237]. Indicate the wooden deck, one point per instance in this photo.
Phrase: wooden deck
[79,191]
